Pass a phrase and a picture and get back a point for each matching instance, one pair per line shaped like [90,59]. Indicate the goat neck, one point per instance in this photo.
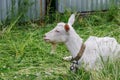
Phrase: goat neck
[73,43]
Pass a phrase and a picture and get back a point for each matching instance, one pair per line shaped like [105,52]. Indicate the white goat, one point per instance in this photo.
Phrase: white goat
[95,47]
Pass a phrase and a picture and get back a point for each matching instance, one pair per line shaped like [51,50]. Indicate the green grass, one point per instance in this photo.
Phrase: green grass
[25,56]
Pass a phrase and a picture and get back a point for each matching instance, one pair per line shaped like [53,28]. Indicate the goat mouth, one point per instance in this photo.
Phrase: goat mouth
[47,40]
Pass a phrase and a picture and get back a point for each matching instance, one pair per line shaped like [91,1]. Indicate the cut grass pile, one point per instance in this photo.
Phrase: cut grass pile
[25,56]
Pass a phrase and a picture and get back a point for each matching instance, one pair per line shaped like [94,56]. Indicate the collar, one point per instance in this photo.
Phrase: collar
[80,53]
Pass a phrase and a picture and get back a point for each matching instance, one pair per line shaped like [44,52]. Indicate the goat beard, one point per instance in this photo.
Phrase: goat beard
[53,48]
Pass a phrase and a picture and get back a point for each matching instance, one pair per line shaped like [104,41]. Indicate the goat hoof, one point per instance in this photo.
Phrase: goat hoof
[68,58]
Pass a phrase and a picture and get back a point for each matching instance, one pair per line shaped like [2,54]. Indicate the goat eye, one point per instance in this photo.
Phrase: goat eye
[57,31]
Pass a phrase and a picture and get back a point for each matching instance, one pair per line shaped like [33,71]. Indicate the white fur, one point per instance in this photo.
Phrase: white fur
[96,47]
[71,19]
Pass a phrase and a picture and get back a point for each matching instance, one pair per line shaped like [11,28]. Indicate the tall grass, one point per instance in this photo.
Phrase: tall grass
[25,56]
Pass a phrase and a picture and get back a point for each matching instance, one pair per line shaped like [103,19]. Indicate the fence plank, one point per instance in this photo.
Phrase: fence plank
[85,5]
[33,12]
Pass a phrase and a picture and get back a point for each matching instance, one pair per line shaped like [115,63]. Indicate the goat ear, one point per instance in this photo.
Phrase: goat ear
[67,28]
[71,19]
